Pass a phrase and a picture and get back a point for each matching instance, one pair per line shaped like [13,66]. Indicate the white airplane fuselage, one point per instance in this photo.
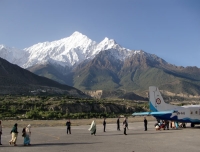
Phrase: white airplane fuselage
[161,110]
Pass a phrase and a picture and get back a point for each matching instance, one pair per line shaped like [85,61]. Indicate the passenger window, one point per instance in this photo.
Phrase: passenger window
[191,112]
[196,112]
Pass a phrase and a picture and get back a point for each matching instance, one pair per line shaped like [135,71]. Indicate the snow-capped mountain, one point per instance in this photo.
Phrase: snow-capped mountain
[13,55]
[68,51]
[85,64]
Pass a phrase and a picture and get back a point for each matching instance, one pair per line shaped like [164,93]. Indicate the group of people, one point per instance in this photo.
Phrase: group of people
[26,133]
[162,125]
[92,128]
[165,124]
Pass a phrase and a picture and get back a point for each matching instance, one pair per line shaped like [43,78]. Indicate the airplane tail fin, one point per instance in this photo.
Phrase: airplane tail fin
[156,101]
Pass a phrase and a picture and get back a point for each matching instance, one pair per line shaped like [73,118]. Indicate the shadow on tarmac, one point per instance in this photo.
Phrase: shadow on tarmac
[59,144]
[135,133]
[48,144]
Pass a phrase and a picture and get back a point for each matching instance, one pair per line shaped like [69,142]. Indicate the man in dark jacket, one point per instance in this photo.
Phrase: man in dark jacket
[125,126]
[145,124]
[104,125]
[68,124]
[118,124]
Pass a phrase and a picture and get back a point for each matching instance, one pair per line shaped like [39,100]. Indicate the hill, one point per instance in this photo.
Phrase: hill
[15,80]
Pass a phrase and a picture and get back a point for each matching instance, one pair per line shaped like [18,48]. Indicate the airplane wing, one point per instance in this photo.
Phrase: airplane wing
[156,114]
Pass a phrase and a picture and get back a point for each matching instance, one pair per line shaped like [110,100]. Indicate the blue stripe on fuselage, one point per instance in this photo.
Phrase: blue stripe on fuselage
[166,117]
[152,108]
[175,118]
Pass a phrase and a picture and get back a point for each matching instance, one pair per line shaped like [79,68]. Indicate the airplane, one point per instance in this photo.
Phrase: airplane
[163,111]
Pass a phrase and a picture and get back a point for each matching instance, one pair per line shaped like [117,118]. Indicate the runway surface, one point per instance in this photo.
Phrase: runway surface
[55,139]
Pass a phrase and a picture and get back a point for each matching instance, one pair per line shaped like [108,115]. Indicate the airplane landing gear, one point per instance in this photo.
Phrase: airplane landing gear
[192,124]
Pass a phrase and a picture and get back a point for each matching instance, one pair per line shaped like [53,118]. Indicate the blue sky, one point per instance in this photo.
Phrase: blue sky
[168,28]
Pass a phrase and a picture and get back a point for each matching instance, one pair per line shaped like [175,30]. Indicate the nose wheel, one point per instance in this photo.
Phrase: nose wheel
[192,125]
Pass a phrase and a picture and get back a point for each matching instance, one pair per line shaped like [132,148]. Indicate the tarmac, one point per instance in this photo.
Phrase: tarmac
[55,139]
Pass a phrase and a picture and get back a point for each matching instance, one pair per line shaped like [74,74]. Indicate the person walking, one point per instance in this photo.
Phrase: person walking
[167,124]
[14,134]
[145,124]
[27,139]
[0,132]
[125,126]
[118,124]
[68,124]
[127,123]
[24,133]
[104,125]
[92,128]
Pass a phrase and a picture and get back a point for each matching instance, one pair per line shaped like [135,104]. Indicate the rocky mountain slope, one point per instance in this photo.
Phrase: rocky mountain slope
[16,80]
[87,65]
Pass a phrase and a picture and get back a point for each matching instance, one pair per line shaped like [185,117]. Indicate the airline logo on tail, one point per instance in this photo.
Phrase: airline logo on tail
[158,101]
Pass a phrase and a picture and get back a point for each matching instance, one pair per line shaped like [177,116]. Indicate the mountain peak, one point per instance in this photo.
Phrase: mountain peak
[76,33]
[5,47]
[107,43]
[2,46]
[66,52]
[107,40]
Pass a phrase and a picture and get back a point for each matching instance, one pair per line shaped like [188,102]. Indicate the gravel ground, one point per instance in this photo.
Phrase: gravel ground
[75,122]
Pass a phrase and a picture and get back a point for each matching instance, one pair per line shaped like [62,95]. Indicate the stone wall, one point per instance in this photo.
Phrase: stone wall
[95,94]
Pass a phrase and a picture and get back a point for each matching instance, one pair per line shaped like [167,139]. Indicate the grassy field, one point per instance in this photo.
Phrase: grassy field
[75,122]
